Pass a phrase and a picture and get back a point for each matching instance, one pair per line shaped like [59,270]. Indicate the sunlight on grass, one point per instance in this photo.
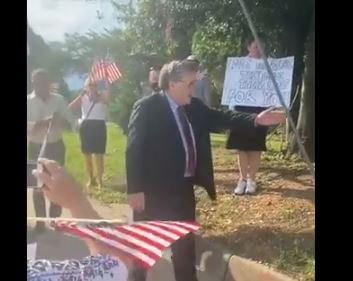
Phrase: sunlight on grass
[114,160]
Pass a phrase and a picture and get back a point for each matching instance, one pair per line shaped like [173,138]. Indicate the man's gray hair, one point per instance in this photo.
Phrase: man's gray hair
[175,71]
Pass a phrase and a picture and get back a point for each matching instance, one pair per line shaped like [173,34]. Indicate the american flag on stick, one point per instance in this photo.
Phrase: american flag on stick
[113,72]
[144,242]
[98,71]
[105,70]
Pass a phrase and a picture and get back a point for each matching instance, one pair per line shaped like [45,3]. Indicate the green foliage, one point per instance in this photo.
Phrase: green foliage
[211,29]
[48,56]
[126,93]
[213,44]
[144,27]
[84,49]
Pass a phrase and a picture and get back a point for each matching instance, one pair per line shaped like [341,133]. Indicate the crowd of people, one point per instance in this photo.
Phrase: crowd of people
[168,151]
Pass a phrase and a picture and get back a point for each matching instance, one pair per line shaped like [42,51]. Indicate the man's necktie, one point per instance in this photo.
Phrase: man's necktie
[191,164]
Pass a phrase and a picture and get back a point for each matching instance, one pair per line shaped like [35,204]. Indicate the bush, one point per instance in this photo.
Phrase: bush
[125,94]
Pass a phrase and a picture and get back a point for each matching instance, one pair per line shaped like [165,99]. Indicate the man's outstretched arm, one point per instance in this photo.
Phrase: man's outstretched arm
[227,119]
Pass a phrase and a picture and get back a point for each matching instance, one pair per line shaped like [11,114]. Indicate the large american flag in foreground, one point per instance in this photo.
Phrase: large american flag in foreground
[144,242]
[105,70]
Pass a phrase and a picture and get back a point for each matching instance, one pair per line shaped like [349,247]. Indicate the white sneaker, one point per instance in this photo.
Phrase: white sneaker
[250,187]
[240,189]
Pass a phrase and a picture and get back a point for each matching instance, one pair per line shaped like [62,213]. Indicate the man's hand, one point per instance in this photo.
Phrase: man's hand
[137,201]
[269,118]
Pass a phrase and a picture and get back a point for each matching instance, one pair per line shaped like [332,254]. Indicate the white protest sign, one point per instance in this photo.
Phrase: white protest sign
[248,83]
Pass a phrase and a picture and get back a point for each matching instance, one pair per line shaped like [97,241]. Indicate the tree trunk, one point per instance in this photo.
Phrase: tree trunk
[306,118]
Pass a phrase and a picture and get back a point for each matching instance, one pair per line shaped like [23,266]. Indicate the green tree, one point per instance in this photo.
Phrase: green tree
[213,30]
[41,55]
[84,49]
[286,24]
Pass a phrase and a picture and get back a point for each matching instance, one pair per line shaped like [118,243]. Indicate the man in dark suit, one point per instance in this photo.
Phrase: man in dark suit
[168,151]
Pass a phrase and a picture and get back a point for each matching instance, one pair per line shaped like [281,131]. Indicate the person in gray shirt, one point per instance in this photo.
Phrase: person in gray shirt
[44,108]
[202,87]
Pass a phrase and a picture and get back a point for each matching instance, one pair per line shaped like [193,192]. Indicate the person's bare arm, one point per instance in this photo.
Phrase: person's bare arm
[65,116]
[62,189]
[77,101]
[106,96]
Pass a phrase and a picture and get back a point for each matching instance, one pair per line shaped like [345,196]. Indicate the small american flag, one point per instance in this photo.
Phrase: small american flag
[103,70]
[98,71]
[113,72]
[144,242]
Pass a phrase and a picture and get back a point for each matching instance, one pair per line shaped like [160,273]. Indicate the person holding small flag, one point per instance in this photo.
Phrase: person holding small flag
[93,130]
[46,110]
[104,263]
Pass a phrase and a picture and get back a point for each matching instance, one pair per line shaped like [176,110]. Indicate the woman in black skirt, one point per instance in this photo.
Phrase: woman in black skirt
[93,131]
[249,144]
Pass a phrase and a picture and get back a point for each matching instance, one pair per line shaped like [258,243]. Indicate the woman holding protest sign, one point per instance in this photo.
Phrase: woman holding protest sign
[249,145]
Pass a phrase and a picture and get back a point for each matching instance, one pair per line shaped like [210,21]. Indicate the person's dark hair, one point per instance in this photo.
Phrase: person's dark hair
[175,71]
[250,39]
[39,71]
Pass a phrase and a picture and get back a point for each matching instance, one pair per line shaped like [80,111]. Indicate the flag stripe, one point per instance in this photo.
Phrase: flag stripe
[144,242]
[121,246]
[82,234]
[167,228]
[178,229]
[113,72]
[144,236]
[102,70]
[128,243]
[148,245]
[188,226]
[161,231]
[153,232]
[98,71]
[115,69]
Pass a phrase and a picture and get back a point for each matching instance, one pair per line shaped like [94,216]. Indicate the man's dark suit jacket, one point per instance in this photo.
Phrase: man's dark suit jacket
[155,156]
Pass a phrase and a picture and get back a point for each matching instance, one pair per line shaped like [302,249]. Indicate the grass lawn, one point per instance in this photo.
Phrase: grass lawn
[275,227]
[114,175]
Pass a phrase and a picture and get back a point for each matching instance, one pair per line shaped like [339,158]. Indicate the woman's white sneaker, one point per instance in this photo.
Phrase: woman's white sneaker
[240,189]
[250,187]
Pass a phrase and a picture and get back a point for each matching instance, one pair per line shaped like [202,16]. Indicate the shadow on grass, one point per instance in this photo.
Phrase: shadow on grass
[291,253]
[306,194]
[225,185]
